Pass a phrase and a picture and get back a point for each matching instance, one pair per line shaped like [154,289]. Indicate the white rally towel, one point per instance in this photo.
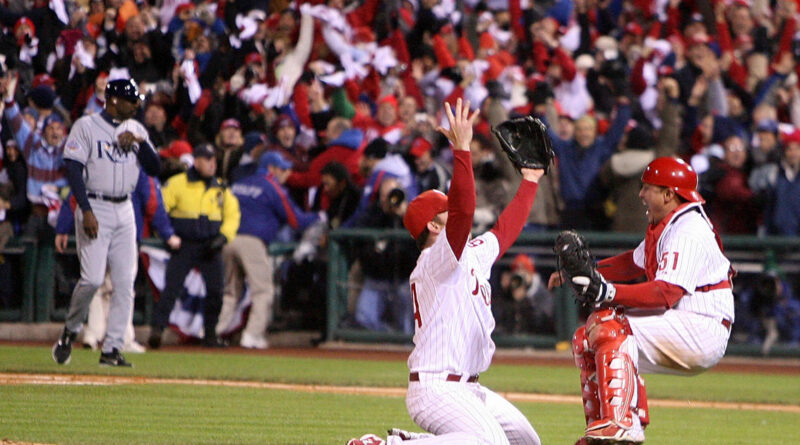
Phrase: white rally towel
[187,314]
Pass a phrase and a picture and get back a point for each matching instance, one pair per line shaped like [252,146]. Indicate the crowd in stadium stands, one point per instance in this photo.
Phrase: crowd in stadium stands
[350,93]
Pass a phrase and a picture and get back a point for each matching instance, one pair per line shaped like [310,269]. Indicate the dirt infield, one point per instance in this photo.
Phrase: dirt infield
[753,365]
[66,379]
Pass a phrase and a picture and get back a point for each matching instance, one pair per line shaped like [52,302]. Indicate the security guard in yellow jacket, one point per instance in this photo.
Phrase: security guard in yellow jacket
[205,215]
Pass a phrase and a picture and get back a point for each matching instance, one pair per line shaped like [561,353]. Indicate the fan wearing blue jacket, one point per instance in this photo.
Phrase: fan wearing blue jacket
[265,207]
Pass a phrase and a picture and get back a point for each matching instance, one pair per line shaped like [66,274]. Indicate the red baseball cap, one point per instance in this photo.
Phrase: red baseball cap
[389,99]
[794,136]
[634,28]
[231,122]
[419,147]
[523,261]
[422,209]
[176,149]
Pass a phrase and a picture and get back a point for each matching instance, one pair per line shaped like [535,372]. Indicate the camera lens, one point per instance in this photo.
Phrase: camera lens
[396,197]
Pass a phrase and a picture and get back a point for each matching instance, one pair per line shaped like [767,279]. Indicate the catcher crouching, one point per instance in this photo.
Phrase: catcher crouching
[676,322]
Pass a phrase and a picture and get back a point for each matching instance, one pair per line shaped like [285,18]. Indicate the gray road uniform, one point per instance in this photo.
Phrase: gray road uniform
[107,177]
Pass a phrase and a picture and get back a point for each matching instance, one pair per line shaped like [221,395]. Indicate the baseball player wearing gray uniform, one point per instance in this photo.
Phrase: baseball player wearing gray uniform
[102,155]
[677,322]
[453,320]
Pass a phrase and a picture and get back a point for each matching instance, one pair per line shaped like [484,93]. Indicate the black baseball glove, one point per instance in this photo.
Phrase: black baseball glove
[577,265]
[526,143]
[215,245]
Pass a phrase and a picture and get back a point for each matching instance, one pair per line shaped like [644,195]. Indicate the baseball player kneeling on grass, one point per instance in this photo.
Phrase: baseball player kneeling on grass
[102,156]
[452,297]
[677,322]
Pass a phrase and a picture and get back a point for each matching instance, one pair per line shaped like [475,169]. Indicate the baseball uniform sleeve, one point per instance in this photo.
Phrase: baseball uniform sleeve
[486,249]
[620,267]
[460,202]
[652,294]
[148,159]
[78,145]
[512,220]
[638,255]
[74,171]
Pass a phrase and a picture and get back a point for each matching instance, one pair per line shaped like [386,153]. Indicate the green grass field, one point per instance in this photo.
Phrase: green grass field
[168,414]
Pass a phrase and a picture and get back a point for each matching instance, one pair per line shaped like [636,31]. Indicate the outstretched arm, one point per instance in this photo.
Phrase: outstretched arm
[461,197]
[512,220]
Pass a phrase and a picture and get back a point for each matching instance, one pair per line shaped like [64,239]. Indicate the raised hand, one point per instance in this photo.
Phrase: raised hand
[461,122]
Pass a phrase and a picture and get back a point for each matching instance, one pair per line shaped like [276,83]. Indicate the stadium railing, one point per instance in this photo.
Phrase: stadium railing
[748,254]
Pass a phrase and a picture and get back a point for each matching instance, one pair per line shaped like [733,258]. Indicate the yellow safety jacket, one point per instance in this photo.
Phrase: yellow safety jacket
[200,209]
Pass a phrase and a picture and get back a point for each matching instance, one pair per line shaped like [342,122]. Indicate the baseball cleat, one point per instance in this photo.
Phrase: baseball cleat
[90,343]
[253,342]
[114,358]
[408,435]
[62,350]
[214,342]
[134,348]
[154,340]
[611,432]
[367,439]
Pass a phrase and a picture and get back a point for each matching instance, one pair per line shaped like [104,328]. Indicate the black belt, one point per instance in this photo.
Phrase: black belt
[414,377]
[724,284]
[108,198]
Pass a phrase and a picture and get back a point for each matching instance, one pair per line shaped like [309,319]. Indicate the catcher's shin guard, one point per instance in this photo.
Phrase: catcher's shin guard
[641,405]
[608,335]
[584,360]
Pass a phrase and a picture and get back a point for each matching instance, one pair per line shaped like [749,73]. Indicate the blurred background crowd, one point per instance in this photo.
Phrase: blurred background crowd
[349,94]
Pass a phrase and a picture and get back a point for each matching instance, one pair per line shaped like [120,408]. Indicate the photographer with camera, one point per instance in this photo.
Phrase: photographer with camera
[525,305]
[385,263]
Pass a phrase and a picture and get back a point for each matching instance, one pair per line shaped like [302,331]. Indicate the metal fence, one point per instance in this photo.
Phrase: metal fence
[35,293]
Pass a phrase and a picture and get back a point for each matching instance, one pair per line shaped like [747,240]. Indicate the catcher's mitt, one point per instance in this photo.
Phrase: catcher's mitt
[526,143]
[576,263]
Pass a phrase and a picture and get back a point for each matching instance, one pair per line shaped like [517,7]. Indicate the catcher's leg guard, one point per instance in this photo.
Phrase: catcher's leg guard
[608,333]
[584,360]
[641,406]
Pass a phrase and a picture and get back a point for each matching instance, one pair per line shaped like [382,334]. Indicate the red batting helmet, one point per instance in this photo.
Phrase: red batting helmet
[674,173]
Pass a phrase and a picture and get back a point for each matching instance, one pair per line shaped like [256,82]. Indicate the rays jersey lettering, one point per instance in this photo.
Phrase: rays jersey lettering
[112,152]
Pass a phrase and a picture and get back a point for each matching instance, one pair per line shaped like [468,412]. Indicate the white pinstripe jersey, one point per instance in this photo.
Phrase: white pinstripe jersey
[452,307]
[107,169]
[689,257]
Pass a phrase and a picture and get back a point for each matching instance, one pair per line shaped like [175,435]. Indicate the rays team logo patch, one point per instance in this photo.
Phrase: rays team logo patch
[112,152]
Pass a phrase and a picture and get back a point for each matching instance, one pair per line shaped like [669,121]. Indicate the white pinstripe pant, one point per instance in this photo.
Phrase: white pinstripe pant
[465,413]
[676,341]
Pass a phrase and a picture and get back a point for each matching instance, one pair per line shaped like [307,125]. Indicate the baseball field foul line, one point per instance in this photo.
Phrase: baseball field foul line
[65,379]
